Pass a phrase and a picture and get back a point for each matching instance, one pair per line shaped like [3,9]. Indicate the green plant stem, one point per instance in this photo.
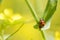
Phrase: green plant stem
[32,10]
[15,31]
[35,16]
[2,35]
[42,34]
[2,32]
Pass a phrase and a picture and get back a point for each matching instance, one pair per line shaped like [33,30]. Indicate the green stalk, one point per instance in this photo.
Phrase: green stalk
[15,32]
[2,33]
[32,10]
[35,16]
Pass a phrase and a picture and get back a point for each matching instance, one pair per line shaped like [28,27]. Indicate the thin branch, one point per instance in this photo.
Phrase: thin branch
[15,31]
[32,10]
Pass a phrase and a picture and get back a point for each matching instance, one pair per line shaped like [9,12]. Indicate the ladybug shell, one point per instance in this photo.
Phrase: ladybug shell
[41,23]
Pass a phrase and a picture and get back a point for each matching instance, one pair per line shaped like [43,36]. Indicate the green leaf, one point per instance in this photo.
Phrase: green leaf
[50,9]
[36,26]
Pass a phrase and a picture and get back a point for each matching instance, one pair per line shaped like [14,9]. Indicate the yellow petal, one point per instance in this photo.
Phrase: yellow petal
[8,12]
[2,17]
[16,17]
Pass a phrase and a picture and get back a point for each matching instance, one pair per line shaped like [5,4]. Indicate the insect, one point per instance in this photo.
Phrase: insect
[41,23]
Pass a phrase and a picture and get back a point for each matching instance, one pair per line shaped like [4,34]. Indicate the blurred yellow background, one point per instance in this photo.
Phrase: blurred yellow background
[27,32]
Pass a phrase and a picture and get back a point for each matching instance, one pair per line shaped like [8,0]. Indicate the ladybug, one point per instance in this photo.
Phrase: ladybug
[41,23]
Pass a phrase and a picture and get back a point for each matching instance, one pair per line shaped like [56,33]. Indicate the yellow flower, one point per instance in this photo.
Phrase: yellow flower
[8,12]
[2,17]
